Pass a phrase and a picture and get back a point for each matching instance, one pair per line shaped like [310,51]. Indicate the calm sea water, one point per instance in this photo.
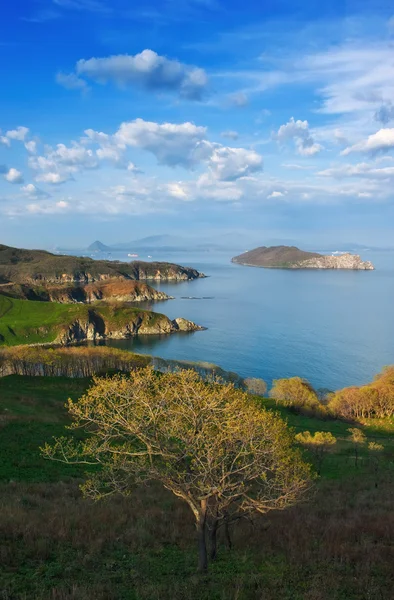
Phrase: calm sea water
[335,328]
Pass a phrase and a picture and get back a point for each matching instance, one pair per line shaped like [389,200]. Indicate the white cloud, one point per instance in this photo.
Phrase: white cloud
[231,135]
[177,190]
[299,131]
[13,176]
[31,147]
[4,140]
[172,144]
[59,164]
[380,141]
[228,164]
[48,208]
[70,81]
[147,70]
[276,194]
[53,178]
[19,134]
[32,191]
[359,170]
[133,169]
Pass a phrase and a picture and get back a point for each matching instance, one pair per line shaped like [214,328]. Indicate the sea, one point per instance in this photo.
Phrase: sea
[334,328]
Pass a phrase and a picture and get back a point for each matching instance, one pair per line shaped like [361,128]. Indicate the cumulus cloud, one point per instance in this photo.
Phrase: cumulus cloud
[231,135]
[172,144]
[71,81]
[33,192]
[13,176]
[59,164]
[299,132]
[147,70]
[228,164]
[19,134]
[381,141]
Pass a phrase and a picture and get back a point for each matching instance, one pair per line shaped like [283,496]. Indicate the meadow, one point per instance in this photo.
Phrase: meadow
[55,545]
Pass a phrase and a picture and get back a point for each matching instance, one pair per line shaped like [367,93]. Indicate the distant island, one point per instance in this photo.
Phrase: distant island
[291,257]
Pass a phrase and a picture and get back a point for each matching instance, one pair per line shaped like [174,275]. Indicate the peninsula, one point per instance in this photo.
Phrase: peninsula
[41,267]
[51,299]
[291,257]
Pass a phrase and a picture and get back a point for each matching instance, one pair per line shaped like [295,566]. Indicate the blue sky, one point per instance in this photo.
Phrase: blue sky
[260,119]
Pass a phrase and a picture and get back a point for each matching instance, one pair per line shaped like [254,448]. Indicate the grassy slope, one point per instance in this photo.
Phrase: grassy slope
[28,322]
[274,256]
[21,266]
[336,546]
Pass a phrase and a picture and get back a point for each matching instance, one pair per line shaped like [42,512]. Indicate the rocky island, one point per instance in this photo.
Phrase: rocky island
[291,257]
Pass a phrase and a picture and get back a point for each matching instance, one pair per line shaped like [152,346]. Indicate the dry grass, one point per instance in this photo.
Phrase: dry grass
[56,545]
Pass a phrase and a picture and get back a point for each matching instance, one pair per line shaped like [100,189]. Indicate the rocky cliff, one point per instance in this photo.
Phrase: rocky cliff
[343,261]
[97,327]
[108,291]
[290,257]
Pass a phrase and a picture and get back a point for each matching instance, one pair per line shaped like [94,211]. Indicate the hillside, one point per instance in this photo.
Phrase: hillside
[29,322]
[39,266]
[291,257]
[112,290]
[337,545]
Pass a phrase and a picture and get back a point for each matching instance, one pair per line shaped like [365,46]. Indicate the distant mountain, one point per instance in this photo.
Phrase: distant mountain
[98,247]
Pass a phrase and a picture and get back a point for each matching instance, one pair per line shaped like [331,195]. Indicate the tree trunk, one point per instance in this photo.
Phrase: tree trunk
[213,539]
[201,537]
[227,534]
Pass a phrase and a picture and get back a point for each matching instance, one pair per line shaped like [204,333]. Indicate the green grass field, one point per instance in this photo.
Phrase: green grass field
[55,545]
[28,322]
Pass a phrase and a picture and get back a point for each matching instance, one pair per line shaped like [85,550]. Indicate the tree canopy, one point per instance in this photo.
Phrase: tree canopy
[208,443]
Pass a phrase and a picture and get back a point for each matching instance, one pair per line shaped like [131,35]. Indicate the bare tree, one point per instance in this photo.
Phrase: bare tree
[208,443]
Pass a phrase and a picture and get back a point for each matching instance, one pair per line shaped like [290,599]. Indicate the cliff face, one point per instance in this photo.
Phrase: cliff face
[344,261]
[96,327]
[290,257]
[108,291]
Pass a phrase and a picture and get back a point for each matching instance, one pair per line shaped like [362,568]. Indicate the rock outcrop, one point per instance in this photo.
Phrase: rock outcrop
[96,327]
[290,257]
[343,261]
[112,290]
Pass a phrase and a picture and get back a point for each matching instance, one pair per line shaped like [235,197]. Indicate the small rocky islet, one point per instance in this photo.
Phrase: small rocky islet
[291,257]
